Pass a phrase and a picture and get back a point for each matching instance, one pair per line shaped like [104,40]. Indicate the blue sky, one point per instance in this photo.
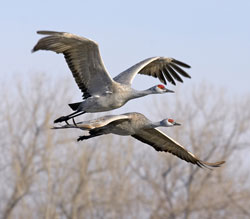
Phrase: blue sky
[212,36]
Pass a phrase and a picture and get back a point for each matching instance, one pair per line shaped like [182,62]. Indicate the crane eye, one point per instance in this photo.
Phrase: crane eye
[161,86]
[171,120]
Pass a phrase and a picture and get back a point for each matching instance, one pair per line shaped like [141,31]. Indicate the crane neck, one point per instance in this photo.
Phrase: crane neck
[141,93]
[161,123]
[155,124]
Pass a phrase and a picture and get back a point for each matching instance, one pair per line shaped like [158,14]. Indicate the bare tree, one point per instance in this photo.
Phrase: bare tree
[214,128]
[45,173]
[48,174]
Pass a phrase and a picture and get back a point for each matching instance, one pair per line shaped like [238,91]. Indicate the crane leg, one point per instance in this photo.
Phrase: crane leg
[70,116]
[73,122]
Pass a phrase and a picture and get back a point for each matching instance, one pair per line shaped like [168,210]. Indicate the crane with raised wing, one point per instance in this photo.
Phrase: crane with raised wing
[101,92]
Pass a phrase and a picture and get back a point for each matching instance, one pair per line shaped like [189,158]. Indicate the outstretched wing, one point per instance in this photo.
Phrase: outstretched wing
[101,122]
[158,67]
[83,58]
[94,123]
[161,142]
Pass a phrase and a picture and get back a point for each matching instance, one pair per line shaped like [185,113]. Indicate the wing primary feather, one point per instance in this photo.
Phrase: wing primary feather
[48,32]
[174,74]
[168,76]
[161,77]
[182,64]
[179,70]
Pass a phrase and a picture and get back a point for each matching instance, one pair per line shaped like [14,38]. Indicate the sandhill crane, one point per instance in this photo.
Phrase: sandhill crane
[141,128]
[100,91]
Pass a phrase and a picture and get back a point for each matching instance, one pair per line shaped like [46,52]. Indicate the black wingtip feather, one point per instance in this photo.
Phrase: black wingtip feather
[182,64]
[34,49]
[179,70]
[174,74]
[49,32]
[161,77]
[168,76]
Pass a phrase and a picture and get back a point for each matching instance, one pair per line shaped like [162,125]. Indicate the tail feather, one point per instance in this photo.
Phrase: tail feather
[74,106]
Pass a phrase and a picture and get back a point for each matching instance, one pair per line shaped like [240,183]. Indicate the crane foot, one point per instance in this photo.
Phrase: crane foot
[61,119]
[83,137]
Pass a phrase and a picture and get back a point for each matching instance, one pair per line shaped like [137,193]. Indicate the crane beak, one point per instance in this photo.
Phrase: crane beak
[176,123]
[168,91]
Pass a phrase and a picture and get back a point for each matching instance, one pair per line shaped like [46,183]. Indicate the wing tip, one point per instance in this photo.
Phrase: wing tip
[182,64]
[34,49]
[210,165]
[49,32]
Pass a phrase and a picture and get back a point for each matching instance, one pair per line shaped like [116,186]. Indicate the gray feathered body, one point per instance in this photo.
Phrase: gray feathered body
[113,98]
[118,95]
[130,126]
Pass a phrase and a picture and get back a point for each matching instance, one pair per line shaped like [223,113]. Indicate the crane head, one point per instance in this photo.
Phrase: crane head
[169,122]
[161,89]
